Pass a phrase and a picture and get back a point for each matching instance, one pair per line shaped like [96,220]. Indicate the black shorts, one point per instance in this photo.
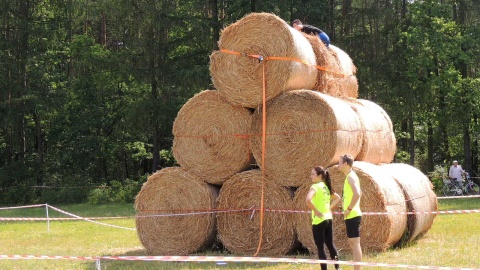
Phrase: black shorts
[353,226]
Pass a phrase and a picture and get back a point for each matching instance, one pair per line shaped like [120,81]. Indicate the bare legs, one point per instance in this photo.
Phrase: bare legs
[356,251]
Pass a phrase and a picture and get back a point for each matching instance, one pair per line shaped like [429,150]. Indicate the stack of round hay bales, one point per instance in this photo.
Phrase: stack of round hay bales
[349,83]
[304,129]
[239,79]
[164,205]
[419,197]
[328,78]
[239,231]
[379,144]
[380,193]
[216,137]
[211,137]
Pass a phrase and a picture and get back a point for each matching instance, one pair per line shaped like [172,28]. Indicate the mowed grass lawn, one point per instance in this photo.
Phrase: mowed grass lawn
[453,241]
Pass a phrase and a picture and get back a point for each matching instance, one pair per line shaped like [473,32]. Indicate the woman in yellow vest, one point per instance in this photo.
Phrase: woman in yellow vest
[321,199]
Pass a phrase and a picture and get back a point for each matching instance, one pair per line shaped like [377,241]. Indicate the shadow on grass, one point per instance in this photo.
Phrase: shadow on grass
[114,264]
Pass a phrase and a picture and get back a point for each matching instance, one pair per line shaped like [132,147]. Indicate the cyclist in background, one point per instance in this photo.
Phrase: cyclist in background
[456,173]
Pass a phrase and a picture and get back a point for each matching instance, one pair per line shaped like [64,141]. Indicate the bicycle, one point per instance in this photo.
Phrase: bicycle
[451,188]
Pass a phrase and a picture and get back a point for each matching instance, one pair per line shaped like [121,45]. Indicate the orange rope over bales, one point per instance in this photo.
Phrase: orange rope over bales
[264,143]
[281,58]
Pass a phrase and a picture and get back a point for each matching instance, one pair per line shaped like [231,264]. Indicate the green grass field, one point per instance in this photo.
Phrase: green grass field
[452,241]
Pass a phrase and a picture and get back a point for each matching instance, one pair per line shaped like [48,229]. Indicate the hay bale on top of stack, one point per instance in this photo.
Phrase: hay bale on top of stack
[327,81]
[239,79]
[348,83]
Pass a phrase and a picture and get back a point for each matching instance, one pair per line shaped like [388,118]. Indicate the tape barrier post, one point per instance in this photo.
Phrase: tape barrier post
[98,266]
[48,217]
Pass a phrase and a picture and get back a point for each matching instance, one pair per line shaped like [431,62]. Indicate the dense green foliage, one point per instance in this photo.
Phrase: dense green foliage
[89,90]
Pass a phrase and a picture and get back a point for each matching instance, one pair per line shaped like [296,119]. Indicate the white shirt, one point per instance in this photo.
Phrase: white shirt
[456,172]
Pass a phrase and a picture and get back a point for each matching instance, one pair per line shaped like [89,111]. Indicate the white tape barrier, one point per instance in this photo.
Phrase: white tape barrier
[459,197]
[25,206]
[90,220]
[59,219]
[74,217]
[220,259]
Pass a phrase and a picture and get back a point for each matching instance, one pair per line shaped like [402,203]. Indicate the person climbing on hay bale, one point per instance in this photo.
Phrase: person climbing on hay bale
[310,29]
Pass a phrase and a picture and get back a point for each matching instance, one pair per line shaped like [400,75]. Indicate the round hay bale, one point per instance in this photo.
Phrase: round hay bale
[380,193]
[379,144]
[210,137]
[239,78]
[240,231]
[349,83]
[304,128]
[174,191]
[419,198]
[327,81]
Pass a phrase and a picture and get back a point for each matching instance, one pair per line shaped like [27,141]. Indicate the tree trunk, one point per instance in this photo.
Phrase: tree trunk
[215,24]
[404,141]
[40,146]
[462,15]
[253,5]
[103,29]
[23,51]
[331,20]
[345,21]
[475,148]
[467,149]
[412,139]
[429,146]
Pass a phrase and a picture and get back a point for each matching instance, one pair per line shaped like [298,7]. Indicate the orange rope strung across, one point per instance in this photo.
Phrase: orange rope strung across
[282,58]
[264,143]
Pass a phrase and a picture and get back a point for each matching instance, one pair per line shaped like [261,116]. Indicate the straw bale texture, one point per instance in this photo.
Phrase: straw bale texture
[239,78]
[379,144]
[210,137]
[349,83]
[419,197]
[303,221]
[327,81]
[380,193]
[174,190]
[240,231]
[304,128]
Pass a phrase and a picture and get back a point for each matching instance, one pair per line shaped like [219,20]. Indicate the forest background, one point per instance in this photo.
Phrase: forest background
[89,89]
